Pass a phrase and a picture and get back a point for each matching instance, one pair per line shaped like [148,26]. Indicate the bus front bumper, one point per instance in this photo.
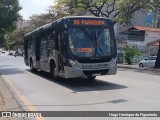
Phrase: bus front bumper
[77,73]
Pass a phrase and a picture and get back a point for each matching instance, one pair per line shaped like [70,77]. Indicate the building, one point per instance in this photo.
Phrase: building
[22,23]
[145,39]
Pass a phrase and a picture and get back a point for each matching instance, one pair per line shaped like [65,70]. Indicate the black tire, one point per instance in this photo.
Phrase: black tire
[31,66]
[53,71]
[141,65]
[91,78]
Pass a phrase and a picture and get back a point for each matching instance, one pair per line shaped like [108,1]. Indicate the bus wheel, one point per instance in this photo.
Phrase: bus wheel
[92,78]
[31,66]
[53,71]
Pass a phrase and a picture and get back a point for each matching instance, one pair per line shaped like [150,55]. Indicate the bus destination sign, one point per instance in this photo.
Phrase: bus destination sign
[89,22]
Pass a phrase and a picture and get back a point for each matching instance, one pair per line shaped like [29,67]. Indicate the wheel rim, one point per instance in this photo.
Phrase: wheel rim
[141,65]
[52,71]
[31,65]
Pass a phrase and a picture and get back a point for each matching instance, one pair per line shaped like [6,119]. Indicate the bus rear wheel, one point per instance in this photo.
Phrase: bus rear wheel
[31,66]
[53,71]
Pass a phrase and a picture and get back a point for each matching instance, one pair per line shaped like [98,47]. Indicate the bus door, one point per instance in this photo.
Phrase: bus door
[60,48]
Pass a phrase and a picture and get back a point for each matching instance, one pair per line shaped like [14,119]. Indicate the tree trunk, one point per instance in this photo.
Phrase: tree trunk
[157,63]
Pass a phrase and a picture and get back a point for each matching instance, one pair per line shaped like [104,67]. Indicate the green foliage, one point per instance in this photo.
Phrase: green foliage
[130,52]
[40,20]
[126,9]
[119,10]
[8,14]
[15,38]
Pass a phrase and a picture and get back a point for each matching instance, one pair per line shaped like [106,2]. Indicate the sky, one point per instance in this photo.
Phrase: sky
[30,7]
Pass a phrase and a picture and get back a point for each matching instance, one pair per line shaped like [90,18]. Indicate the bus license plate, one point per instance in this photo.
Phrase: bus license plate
[96,74]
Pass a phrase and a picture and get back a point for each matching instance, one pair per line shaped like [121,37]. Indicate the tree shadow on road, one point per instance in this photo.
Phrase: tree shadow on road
[81,84]
[9,71]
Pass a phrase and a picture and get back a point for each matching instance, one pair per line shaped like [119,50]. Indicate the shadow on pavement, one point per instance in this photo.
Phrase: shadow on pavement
[9,71]
[82,85]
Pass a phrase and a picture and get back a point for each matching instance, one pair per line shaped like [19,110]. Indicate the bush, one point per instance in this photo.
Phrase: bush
[130,52]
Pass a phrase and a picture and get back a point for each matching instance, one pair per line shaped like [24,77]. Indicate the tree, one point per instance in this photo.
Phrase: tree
[15,38]
[118,10]
[61,9]
[157,63]
[40,20]
[130,53]
[8,14]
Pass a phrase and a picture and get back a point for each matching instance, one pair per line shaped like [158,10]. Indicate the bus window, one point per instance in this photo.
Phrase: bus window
[51,40]
[29,42]
[43,45]
[90,42]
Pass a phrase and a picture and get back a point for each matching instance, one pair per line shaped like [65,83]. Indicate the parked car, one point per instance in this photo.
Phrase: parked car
[11,52]
[148,62]
[3,51]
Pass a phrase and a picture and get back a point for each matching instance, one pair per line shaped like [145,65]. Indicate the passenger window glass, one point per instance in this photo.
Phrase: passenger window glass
[51,40]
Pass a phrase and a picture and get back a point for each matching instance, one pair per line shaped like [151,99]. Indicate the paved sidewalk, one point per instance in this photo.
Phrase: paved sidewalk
[135,66]
[7,100]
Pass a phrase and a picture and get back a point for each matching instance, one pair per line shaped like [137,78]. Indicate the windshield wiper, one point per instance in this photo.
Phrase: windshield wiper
[98,48]
[86,33]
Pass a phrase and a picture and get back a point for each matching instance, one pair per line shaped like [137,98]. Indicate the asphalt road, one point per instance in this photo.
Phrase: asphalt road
[129,90]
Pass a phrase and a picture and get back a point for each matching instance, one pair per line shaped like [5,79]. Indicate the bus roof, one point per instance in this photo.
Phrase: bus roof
[56,22]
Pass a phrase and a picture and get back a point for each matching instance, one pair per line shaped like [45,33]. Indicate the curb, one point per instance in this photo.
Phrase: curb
[8,98]
[143,69]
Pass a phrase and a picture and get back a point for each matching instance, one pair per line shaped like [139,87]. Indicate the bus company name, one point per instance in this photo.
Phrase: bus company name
[88,22]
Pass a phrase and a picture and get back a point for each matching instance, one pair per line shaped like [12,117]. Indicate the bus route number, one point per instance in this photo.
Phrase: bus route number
[89,22]
[76,22]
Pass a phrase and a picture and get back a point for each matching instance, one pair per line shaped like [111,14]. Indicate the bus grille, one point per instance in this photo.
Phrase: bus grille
[90,72]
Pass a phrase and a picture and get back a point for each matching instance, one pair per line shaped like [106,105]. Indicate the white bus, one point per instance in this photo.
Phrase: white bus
[73,47]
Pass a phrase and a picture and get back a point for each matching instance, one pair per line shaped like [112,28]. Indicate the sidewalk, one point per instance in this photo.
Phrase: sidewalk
[8,102]
[135,66]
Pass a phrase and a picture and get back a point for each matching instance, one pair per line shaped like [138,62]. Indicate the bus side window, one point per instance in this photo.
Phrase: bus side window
[43,45]
[29,42]
[51,40]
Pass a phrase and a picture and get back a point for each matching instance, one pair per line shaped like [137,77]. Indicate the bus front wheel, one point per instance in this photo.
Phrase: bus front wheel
[91,78]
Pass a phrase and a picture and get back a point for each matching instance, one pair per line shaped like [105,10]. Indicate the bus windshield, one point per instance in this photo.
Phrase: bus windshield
[90,42]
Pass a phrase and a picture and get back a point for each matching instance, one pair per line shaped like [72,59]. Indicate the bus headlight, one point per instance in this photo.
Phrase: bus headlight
[73,64]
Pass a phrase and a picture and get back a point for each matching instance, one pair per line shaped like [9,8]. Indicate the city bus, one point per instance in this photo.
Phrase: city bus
[73,47]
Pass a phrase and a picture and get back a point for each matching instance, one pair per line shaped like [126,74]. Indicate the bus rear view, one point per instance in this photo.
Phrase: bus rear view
[73,47]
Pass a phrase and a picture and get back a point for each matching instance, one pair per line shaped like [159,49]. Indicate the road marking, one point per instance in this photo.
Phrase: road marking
[25,101]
